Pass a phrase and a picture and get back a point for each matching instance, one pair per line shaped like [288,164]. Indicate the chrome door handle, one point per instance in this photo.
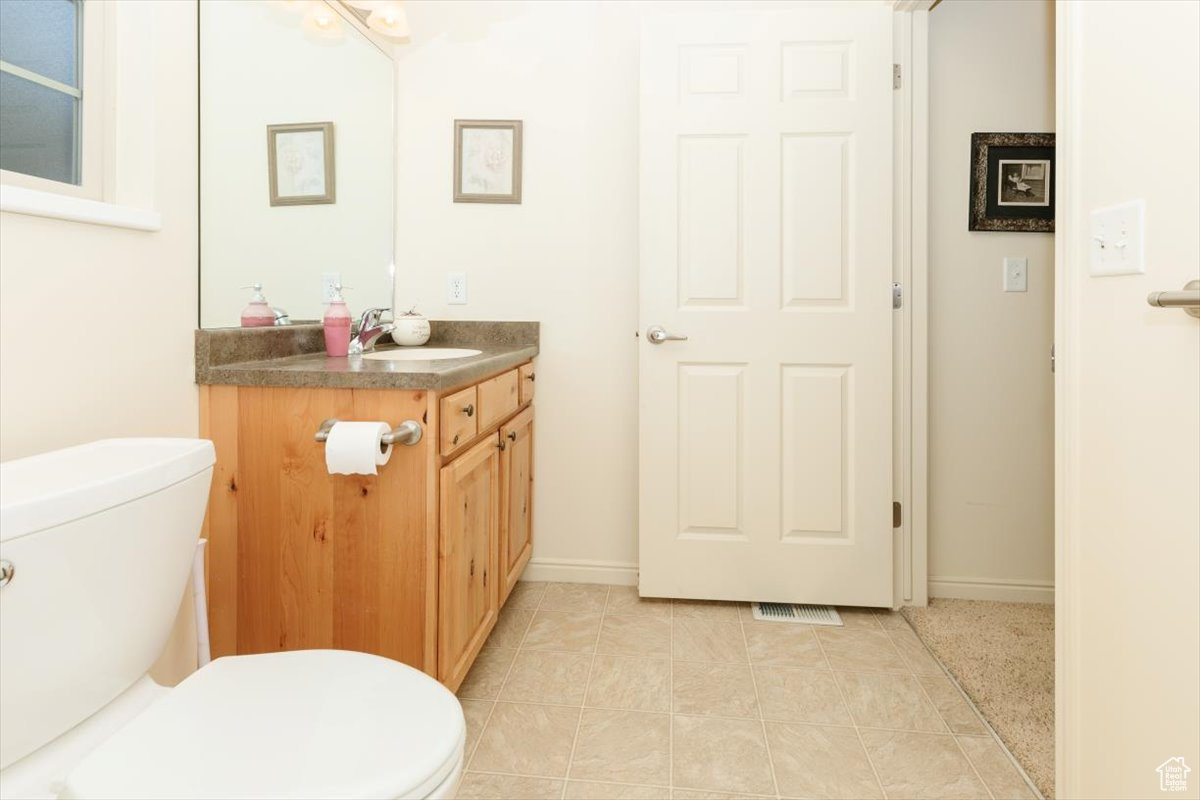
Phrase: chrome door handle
[1188,299]
[657,334]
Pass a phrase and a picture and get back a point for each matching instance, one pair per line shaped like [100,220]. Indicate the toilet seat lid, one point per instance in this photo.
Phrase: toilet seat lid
[308,723]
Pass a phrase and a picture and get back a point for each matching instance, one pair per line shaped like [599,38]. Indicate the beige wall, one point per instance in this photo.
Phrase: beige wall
[991,453]
[566,256]
[1129,405]
[96,322]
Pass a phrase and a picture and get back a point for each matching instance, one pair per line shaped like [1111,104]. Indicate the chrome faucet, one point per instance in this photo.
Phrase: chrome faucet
[370,327]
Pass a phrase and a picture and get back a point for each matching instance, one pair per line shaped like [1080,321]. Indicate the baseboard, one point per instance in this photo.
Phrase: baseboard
[575,570]
[1005,591]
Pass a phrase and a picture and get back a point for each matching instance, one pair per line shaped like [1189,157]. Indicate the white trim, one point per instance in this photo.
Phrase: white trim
[19,200]
[999,589]
[40,80]
[581,570]
[1068,250]
[911,328]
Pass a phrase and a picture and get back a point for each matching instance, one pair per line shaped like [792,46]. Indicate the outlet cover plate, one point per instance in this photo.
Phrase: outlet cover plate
[328,281]
[456,288]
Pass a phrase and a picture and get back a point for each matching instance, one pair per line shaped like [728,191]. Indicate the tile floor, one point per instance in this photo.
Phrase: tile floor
[587,691]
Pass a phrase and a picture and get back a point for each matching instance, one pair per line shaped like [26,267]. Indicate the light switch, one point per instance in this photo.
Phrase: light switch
[1016,274]
[1116,240]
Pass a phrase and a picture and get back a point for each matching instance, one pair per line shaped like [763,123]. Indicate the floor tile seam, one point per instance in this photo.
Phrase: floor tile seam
[587,685]
[854,719]
[758,704]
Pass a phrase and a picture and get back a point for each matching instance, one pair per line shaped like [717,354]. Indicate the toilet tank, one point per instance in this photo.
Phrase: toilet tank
[100,539]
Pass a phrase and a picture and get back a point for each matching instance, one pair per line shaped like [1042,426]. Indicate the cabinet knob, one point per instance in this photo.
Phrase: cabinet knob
[501,444]
[455,439]
[530,376]
[469,409]
[512,436]
[472,572]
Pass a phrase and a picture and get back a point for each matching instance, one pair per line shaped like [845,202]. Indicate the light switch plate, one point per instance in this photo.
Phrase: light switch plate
[456,288]
[1116,242]
[1016,277]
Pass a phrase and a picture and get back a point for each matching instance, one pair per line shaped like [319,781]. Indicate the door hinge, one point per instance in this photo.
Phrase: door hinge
[897,295]
[896,515]
[895,76]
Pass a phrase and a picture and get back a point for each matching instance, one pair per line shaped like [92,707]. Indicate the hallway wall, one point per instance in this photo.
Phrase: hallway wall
[991,448]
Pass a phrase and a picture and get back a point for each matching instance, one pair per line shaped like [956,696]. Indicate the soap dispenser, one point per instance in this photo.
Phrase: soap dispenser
[257,314]
[337,326]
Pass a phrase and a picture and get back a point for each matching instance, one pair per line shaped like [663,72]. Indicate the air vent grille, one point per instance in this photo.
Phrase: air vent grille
[796,612]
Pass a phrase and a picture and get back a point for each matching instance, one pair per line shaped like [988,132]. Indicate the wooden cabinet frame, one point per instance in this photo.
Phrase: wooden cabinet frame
[298,558]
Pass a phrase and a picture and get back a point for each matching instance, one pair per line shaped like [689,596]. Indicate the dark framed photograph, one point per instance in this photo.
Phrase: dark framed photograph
[1012,182]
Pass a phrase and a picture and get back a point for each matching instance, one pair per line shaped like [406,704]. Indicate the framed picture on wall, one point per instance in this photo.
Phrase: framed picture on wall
[487,161]
[300,169]
[1012,182]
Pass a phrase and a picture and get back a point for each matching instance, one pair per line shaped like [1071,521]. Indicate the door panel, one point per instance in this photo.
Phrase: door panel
[765,436]
[516,515]
[467,594]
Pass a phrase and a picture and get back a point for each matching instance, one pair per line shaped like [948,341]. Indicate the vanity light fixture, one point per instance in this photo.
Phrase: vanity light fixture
[386,17]
[321,19]
[389,19]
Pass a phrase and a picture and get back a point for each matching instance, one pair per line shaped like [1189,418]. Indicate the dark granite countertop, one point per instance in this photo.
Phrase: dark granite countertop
[294,356]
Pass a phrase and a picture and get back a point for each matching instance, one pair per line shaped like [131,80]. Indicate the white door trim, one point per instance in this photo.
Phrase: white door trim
[1067,250]
[911,324]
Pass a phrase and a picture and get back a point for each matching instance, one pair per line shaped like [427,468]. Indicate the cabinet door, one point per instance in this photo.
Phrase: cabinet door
[516,513]
[468,542]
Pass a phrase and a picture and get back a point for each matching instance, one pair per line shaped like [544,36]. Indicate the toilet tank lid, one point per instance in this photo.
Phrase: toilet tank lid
[53,488]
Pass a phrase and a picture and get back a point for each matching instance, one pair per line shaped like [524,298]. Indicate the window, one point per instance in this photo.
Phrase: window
[50,66]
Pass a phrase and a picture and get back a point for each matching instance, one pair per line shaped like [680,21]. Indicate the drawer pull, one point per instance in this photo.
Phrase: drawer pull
[512,436]
[455,441]
[530,376]
[471,574]
[469,409]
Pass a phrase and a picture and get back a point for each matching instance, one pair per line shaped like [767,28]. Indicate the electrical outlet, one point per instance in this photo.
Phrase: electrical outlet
[329,282]
[456,288]
[1016,278]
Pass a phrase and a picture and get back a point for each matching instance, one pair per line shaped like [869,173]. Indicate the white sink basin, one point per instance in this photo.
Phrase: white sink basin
[420,354]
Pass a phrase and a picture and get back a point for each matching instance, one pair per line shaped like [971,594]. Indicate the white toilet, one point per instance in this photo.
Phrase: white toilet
[97,543]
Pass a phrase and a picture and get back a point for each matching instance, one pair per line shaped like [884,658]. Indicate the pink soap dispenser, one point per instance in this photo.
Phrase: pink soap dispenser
[337,326]
[257,314]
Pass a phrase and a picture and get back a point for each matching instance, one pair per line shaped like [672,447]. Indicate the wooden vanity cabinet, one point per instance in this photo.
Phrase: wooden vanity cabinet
[516,499]
[413,563]
[468,549]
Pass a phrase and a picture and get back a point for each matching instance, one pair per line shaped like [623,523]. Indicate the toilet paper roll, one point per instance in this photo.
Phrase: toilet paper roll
[355,448]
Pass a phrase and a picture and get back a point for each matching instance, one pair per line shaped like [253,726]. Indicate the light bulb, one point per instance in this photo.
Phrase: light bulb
[389,19]
[322,19]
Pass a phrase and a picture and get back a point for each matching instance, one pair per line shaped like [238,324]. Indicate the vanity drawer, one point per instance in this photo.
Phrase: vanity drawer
[525,375]
[460,418]
[498,397]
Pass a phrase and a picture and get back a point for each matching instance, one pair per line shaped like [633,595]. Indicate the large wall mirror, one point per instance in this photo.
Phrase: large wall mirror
[296,159]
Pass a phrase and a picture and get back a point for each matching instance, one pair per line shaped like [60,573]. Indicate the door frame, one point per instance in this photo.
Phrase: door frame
[910,325]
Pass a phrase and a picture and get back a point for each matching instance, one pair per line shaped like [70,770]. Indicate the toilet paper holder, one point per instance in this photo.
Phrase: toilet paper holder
[408,432]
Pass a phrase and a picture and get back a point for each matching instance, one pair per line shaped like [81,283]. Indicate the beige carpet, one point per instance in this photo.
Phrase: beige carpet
[1002,654]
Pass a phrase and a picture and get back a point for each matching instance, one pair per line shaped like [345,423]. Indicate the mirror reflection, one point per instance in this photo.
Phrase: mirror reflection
[296,163]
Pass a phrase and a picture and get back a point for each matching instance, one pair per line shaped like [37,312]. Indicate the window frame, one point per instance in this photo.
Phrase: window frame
[93,117]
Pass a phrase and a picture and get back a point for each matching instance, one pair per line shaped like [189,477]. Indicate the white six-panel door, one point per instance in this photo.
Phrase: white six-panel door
[765,217]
